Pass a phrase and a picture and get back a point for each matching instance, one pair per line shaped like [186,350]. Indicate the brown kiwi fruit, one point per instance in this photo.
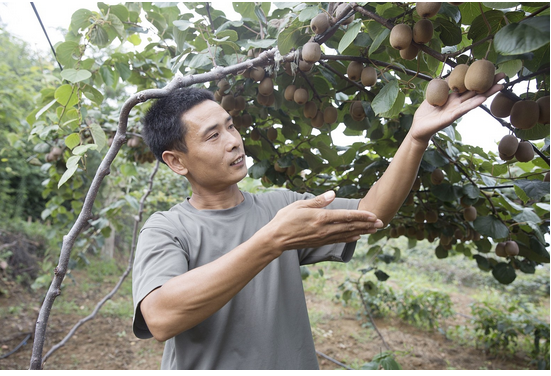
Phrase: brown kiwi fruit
[228,102]
[354,70]
[246,120]
[317,120]
[301,96]
[501,105]
[320,23]
[480,76]
[437,92]
[437,176]
[423,31]
[237,121]
[266,86]
[240,103]
[217,96]
[311,52]
[525,152]
[368,76]
[428,9]
[525,114]
[310,109]
[500,249]
[416,184]
[546,177]
[262,99]
[508,145]
[305,66]
[357,111]
[543,104]
[330,115]
[469,213]
[431,216]
[289,92]
[255,134]
[257,73]
[504,157]
[223,85]
[511,248]
[271,100]
[291,170]
[278,168]
[401,36]
[341,11]
[409,53]
[456,80]
[272,133]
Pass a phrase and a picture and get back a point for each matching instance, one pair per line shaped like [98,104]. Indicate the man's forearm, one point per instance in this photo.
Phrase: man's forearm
[387,195]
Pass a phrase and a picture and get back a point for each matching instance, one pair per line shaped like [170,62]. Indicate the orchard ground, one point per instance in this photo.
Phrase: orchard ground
[341,332]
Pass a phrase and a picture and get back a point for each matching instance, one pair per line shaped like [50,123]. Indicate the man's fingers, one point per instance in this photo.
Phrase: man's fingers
[320,201]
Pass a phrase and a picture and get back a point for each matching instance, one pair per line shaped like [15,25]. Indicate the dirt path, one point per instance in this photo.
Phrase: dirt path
[107,341]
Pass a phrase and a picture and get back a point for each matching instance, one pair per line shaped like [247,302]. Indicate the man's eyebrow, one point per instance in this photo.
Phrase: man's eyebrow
[213,127]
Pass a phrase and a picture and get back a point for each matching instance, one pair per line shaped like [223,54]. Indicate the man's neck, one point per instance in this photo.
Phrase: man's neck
[226,199]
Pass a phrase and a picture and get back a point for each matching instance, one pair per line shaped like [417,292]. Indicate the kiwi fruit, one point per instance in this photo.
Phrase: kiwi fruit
[301,96]
[262,99]
[437,176]
[305,66]
[508,145]
[228,102]
[368,76]
[501,105]
[401,230]
[437,92]
[287,68]
[341,11]
[320,23]
[410,52]
[428,9]
[271,100]
[524,114]
[271,134]
[525,152]
[431,216]
[511,248]
[409,199]
[500,249]
[469,213]
[289,93]
[291,170]
[419,217]
[423,31]
[480,76]
[543,104]
[354,70]
[546,177]
[317,120]
[255,134]
[266,86]
[311,52]
[310,110]
[400,36]
[246,120]
[240,103]
[56,152]
[330,115]
[217,96]
[357,110]
[223,85]
[257,73]
[456,80]
[504,157]
[278,168]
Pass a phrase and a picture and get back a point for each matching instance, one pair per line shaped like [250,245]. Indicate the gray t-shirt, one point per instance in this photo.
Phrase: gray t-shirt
[265,326]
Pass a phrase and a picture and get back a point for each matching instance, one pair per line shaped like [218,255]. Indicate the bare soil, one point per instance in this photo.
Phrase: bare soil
[340,334]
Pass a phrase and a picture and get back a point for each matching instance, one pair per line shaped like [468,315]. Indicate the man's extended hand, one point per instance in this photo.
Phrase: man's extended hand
[306,224]
[430,119]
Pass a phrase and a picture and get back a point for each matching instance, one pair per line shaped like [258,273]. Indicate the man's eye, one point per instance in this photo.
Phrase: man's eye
[213,136]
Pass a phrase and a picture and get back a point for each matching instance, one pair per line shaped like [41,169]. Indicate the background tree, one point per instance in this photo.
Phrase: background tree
[342,63]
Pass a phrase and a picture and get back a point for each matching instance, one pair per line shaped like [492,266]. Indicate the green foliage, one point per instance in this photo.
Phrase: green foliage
[383,361]
[500,327]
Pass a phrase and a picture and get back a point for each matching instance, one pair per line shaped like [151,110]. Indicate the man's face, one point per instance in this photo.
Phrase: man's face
[215,159]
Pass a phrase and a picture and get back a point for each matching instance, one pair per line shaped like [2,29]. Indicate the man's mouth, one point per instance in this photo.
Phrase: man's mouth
[237,161]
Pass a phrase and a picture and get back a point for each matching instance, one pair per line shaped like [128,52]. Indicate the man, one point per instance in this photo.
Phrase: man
[218,276]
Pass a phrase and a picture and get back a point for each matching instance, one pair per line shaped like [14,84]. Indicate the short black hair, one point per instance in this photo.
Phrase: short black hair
[163,127]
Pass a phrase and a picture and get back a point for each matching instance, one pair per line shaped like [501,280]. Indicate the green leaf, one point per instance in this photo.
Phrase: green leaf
[99,36]
[482,263]
[534,189]
[74,75]
[66,95]
[93,94]
[504,273]
[124,70]
[308,13]
[526,36]
[351,33]
[72,140]
[386,98]
[378,40]
[258,170]
[72,165]
[291,38]
[491,226]
[450,33]
[129,169]
[82,149]
[537,132]
[471,191]
[520,194]
[98,135]
[81,19]
[67,53]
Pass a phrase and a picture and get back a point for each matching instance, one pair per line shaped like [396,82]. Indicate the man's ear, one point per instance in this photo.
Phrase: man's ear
[175,162]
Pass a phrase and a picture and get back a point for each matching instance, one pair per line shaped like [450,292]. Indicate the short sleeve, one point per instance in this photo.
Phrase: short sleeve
[160,256]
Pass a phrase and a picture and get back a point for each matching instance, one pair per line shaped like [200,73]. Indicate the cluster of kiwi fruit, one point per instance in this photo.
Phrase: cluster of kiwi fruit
[356,71]
[509,147]
[403,34]
[507,249]
[317,116]
[523,114]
